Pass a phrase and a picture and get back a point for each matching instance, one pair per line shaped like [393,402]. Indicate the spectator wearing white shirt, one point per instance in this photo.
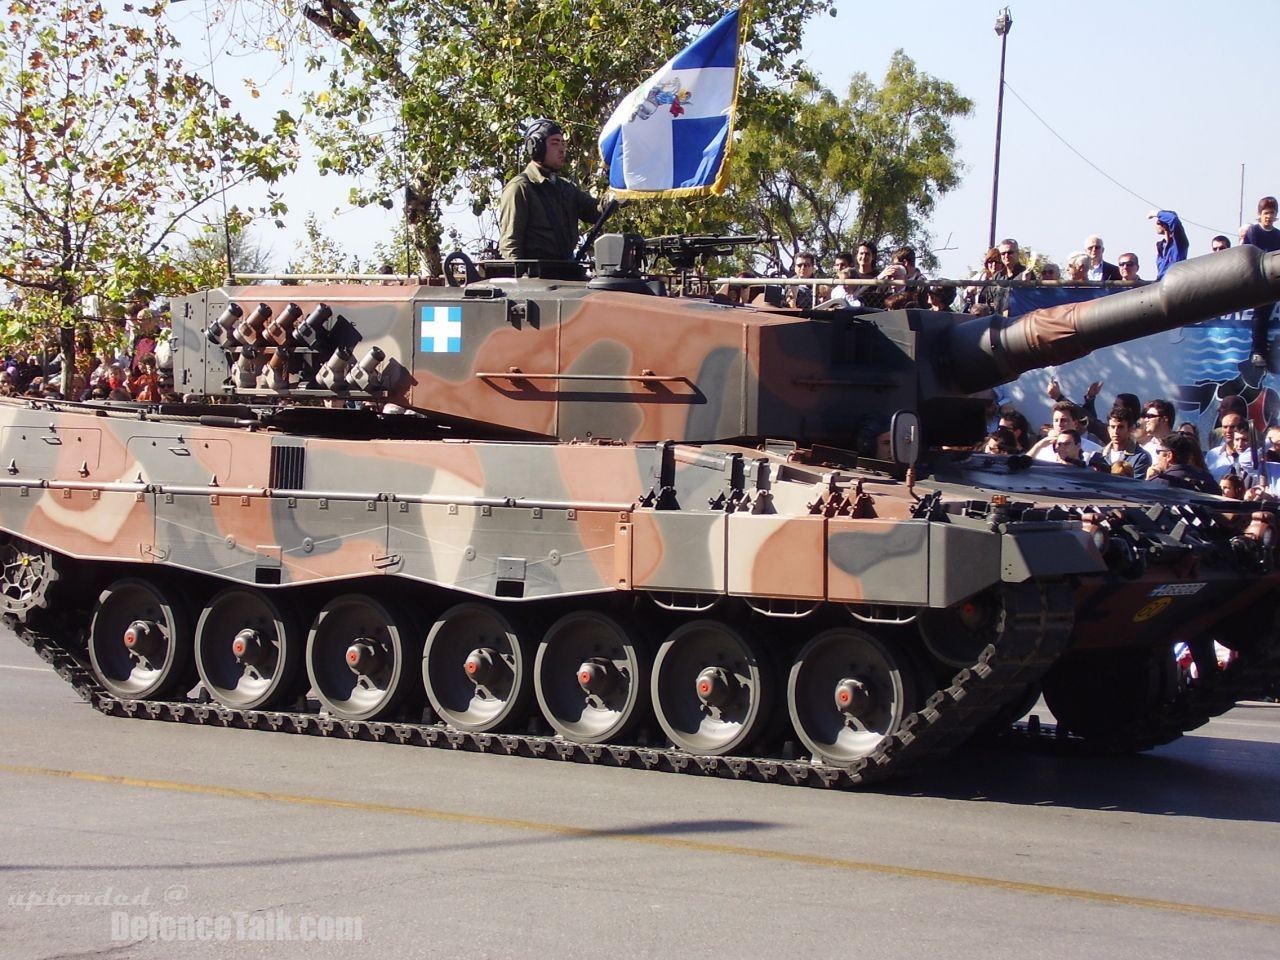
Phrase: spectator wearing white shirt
[1121,447]
[1157,419]
[1066,417]
[1234,455]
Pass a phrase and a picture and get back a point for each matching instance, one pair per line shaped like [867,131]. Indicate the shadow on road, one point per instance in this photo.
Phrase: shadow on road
[656,831]
[1220,779]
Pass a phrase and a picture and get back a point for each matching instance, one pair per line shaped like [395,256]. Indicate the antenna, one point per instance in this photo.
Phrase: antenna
[408,192]
[222,168]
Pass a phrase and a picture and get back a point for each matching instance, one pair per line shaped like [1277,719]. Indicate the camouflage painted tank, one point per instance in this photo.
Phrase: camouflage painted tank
[609,525]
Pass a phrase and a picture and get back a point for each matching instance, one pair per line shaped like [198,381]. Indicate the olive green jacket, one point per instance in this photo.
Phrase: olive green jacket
[539,213]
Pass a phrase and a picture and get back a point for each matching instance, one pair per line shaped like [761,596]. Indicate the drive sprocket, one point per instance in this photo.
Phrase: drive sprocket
[28,575]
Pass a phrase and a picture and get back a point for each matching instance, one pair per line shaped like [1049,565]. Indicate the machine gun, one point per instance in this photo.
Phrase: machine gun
[686,252]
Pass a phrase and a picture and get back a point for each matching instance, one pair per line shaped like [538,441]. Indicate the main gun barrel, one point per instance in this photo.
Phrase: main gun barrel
[986,351]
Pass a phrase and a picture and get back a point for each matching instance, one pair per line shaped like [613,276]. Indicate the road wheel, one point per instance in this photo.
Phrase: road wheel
[847,691]
[713,688]
[140,640]
[591,678]
[477,668]
[249,650]
[360,657]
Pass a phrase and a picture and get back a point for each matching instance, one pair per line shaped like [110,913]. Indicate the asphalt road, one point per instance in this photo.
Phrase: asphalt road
[127,838]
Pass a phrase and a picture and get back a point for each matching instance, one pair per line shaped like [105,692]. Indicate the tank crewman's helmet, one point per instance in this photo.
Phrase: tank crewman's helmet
[536,136]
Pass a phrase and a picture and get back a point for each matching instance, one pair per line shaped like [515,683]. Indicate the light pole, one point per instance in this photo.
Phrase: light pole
[1004,23]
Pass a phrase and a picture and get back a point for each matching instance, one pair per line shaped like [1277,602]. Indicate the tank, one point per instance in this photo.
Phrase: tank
[590,521]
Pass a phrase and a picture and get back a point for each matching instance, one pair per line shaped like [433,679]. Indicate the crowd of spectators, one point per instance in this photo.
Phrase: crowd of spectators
[1142,441]
[862,280]
[141,373]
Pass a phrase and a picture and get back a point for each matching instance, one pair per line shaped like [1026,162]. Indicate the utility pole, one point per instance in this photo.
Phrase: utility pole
[1004,23]
[1241,220]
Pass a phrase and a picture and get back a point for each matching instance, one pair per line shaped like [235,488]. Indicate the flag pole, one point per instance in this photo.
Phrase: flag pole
[722,175]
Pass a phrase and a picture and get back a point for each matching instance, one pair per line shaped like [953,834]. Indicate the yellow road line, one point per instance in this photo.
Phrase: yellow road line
[671,843]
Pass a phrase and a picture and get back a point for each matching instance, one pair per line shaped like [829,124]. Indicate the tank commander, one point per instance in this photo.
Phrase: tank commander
[539,210]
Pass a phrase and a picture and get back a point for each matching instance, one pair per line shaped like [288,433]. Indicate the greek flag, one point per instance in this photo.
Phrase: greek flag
[670,136]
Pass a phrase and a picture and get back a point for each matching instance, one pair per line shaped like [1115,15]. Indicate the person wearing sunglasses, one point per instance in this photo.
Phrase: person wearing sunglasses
[980,301]
[1128,267]
[798,296]
[1157,421]
[1011,262]
[1172,466]
[1016,423]
[1011,268]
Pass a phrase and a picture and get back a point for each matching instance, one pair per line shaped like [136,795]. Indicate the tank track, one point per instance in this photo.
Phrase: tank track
[1255,673]
[1034,631]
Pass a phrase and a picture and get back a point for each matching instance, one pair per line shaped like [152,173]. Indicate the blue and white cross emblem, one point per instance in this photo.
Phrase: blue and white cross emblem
[441,330]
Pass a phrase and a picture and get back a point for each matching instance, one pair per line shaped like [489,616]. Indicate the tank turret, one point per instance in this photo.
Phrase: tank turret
[541,358]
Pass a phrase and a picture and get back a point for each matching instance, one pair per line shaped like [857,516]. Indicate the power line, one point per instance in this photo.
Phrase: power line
[1097,168]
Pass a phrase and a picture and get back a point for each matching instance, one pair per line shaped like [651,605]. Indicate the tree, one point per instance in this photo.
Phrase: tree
[903,150]
[321,253]
[106,147]
[202,261]
[824,173]
[400,254]
[429,98]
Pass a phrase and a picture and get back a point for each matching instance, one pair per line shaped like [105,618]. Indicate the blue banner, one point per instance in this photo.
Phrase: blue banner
[1025,299]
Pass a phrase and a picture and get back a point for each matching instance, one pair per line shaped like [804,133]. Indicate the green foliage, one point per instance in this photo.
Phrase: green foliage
[823,173]
[201,262]
[321,253]
[108,146]
[428,101]
[902,151]
[1034,259]
[402,253]
[434,95]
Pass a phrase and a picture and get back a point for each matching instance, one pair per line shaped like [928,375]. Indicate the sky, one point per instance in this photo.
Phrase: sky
[1165,101]
[1111,109]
